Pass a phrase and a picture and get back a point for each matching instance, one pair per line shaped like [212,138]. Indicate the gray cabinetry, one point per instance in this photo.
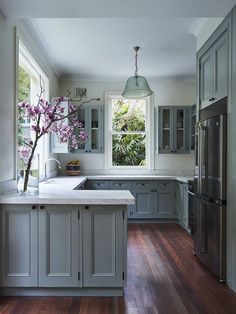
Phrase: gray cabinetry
[213,71]
[143,193]
[103,244]
[91,117]
[59,246]
[174,130]
[182,203]
[19,246]
[97,185]
[164,203]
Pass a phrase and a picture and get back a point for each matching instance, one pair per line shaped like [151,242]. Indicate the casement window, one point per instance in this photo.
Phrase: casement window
[30,76]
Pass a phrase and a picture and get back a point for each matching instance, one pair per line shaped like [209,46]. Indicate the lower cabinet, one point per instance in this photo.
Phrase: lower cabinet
[182,203]
[63,246]
[104,241]
[60,245]
[143,207]
[19,246]
[164,205]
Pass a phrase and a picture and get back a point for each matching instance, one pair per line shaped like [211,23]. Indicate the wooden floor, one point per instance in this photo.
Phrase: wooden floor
[163,277]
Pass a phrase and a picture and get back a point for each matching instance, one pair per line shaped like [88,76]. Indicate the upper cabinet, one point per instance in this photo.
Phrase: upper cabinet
[212,70]
[174,130]
[91,117]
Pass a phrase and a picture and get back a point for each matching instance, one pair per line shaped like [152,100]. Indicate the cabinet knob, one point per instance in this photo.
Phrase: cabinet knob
[171,151]
[41,207]
[33,207]
[90,151]
[86,207]
[151,190]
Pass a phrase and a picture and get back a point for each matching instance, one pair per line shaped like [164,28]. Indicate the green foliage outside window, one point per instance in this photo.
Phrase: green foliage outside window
[128,144]
[23,96]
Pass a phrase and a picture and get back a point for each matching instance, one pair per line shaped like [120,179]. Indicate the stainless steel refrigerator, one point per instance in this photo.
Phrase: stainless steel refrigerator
[210,189]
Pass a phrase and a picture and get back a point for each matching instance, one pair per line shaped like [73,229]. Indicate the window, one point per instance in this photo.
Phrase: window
[29,77]
[129,143]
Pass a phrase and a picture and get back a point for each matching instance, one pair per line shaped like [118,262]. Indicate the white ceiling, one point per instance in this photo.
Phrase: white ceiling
[93,39]
[102,49]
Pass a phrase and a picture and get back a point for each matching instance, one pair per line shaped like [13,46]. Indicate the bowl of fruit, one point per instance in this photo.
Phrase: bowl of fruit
[73,168]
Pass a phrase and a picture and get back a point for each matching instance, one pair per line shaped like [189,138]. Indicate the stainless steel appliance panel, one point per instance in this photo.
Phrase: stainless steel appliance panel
[211,168]
[211,239]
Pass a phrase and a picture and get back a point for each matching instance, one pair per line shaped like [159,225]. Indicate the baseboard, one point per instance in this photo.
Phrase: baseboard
[87,292]
[153,221]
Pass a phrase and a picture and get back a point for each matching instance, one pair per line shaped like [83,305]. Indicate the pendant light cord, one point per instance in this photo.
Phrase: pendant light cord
[136,61]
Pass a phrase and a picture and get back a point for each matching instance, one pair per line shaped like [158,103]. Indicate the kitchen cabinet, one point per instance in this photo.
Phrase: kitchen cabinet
[19,246]
[143,193]
[213,71]
[104,256]
[174,130]
[193,120]
[91,117]
[54,144]
[164,203]
[182,203]
[154,199]
[97,185]
[60,246]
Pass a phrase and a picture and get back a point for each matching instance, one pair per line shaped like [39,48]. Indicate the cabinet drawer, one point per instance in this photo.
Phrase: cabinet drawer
[142,185]
[120,185]
[165,184]
[97,185]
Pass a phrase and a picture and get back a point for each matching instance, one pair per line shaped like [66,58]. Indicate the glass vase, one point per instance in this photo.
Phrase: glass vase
[32,186]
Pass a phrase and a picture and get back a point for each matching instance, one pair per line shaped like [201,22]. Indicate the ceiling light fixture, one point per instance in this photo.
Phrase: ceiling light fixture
[136,86]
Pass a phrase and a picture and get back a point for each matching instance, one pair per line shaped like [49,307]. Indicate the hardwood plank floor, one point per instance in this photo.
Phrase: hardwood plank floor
[163,278]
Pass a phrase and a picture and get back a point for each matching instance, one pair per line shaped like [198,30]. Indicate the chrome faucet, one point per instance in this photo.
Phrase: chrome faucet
[45,167]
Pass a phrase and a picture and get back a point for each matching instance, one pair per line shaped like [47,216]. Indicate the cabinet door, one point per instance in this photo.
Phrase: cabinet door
[83,118]
[181,130]
[164,204]
[143,207]
[220,68]
[55,145]
[185,205]
[95,122]
[206,64]
[97,185]
[19,246]
[179,201]
[103,246]
[165,137]
[59,246]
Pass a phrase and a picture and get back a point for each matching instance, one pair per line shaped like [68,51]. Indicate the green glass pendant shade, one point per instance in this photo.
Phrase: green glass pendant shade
[136,87]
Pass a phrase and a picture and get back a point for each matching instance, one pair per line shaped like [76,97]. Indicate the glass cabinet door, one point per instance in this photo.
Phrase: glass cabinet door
[82,128]
[181,130]
[95,127]
[165,130]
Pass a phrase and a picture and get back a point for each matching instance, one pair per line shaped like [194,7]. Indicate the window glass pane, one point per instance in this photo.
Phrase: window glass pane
[128,115]
[128,149]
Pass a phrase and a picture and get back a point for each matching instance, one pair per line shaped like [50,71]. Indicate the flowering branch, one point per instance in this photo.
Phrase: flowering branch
[50,118]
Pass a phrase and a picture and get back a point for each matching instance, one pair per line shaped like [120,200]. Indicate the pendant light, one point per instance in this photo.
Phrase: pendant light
[136,86]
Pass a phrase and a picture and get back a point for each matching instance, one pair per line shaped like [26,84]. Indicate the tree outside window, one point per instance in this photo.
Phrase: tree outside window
[128,132]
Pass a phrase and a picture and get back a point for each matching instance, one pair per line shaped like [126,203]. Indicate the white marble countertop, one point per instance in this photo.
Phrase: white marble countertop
[74,197]
[60,190]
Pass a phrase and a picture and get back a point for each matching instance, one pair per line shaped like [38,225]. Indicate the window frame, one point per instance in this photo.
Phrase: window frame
[109,96]
[28,63]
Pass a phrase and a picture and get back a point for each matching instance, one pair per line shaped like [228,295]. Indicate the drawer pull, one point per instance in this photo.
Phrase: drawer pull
[41,207]
[33,207]
[86,207]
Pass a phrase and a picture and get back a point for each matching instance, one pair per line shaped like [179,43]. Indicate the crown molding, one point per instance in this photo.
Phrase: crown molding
[33,28]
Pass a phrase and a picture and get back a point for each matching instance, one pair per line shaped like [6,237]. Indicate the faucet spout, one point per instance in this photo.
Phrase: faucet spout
[45,166]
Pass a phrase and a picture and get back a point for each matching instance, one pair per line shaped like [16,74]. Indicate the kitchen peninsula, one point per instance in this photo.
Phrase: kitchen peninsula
[64,241]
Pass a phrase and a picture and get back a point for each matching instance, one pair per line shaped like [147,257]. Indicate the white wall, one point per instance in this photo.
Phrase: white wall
[8,87]
[207,30]
[167,92]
